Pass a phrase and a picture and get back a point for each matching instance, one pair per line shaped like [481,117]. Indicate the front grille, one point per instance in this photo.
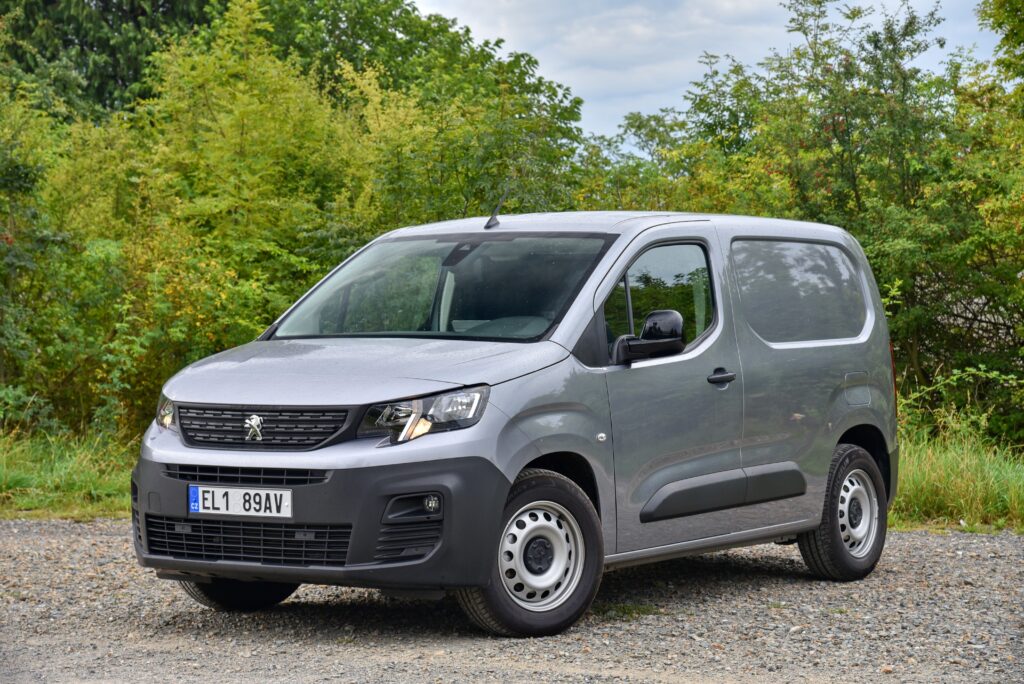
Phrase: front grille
[407,541]
[253,542]
[281,477]
[281,428]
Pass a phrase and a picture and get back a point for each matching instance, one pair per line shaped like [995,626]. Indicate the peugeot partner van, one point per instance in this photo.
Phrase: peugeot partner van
[506,409]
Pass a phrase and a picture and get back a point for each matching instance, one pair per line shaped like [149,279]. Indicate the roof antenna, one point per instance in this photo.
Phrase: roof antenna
[493,221]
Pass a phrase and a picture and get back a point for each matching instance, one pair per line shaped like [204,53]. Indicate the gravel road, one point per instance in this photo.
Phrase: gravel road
[940,607]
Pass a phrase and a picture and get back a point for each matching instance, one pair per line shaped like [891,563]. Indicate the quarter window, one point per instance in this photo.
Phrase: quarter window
[666,277]
[798,291]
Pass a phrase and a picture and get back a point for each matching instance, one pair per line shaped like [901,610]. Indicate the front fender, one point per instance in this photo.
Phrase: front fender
[564,409]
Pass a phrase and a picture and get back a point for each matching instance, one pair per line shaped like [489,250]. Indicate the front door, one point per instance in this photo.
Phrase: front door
[676,420]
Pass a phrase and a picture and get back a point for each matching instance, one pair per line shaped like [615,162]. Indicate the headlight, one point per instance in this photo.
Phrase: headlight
[412,418]
[165,413]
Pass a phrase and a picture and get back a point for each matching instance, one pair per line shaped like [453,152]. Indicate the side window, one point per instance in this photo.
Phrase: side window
[798,291]
[667,277]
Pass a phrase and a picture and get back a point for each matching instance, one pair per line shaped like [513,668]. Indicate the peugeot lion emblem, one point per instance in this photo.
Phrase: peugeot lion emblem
[255,425]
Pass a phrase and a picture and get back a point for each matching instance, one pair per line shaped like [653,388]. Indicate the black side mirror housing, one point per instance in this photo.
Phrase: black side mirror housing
[661,335]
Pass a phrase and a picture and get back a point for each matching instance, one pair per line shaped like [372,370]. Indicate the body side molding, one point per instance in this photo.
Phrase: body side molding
[726,489]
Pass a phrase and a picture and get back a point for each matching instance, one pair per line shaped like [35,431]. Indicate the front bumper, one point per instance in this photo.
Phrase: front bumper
[472,491]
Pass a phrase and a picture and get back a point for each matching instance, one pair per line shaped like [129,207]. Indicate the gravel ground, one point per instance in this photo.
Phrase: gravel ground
[940,607]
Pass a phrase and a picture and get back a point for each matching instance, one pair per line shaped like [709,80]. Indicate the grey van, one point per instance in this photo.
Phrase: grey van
[506,409]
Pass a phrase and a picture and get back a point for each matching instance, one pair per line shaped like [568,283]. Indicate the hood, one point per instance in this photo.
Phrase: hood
[351,371]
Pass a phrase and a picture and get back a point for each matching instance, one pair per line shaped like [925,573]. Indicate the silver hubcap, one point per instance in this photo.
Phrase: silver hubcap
[858,513]
[541,556]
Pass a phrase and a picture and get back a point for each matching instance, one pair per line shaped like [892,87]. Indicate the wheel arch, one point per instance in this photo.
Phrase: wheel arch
[575,467]
[871,439]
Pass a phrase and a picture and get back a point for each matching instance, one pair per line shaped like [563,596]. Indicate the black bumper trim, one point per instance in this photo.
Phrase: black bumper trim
[472,489]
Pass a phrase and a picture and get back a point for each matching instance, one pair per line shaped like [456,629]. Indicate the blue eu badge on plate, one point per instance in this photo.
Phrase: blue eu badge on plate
[193,498]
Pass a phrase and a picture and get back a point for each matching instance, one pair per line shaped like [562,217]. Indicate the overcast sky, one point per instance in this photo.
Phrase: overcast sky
[637,55]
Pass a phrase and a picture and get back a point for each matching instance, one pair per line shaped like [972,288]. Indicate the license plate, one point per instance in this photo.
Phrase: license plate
[240,501]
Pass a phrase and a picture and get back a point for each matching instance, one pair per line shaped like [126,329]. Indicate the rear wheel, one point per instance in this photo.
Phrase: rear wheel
[235,595]
[849,541]
[549,560]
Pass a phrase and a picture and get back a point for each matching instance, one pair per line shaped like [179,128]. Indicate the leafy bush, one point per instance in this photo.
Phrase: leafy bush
[186,224]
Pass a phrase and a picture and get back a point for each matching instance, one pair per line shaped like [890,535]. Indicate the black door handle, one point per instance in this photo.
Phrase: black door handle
[721,377]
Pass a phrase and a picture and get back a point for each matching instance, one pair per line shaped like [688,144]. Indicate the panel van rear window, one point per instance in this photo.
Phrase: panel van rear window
[798,291]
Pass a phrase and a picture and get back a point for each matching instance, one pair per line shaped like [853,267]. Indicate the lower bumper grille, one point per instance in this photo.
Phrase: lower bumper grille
[407,541]
[253,542]
[281,477]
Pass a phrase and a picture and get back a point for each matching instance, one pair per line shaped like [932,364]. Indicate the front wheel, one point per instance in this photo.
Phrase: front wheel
[848,543]
[549,560]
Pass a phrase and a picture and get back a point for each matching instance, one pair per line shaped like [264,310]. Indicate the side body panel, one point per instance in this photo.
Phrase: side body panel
[799,397]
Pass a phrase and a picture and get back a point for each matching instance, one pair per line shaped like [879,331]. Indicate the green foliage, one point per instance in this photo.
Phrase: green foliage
[65,477]
[956,475]
[186,224]
[93,53]
[1006,17]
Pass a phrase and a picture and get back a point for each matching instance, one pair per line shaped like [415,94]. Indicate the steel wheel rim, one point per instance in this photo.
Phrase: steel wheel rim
[858,513]
[555,529]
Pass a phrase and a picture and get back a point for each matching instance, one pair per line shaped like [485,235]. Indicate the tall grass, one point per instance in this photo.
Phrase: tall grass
[951,473]
[64,476]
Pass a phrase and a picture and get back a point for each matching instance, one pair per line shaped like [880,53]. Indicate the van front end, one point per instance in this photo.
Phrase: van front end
[355,511]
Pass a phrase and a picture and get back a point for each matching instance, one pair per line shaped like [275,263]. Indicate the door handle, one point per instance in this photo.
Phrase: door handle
[721,377]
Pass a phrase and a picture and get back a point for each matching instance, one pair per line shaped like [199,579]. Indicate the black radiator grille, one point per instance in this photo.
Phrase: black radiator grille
[407,541]
[280,428]
[281,477]
[254,542]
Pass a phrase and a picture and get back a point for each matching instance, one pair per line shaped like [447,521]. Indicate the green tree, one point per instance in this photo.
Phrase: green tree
[1006,17]
[190,222]
[94,53]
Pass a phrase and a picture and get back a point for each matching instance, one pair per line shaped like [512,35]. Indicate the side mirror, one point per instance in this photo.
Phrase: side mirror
[661,335]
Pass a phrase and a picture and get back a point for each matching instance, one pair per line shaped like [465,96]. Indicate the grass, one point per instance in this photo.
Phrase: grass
[957,479]
[80,478]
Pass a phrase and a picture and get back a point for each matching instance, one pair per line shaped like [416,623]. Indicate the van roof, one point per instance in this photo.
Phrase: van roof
[615,222]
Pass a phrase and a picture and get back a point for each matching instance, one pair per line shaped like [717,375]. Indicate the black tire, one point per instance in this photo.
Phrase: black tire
[493,609]
[827,549]
[235,595]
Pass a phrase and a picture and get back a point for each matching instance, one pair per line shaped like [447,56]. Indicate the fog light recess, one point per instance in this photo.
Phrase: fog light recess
[412,507]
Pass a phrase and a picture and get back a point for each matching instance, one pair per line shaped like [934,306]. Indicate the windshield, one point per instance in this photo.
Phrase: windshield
[500,287]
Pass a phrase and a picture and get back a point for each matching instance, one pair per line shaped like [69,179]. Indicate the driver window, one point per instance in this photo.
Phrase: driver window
[666,277]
